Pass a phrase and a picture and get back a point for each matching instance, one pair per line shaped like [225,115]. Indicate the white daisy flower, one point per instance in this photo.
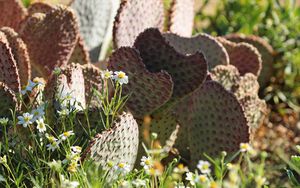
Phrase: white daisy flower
[106,74]
[38,113]
[191,178]
[120,77]
[53,146]
[122,168]
[245,147]
[41,126]
[66,135]
[146,162]
[25,119]
[204,167]
[76,149]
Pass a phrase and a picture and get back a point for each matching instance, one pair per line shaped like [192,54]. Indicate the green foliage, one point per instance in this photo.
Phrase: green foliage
[276,21]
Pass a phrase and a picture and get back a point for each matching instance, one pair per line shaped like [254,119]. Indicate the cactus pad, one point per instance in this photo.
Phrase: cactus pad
[244,56]
[218,122]
[8,69]
[227,75]
[20,54]
[50,38]
[118,145]
[188,71]
[80,53]
[212,49]
[247,85]
[94,17]
[182,17]
[39,8]
[92,80]
[133,17]
[11,13]
[264,49]
[54,2]
[148,91]
[8,100]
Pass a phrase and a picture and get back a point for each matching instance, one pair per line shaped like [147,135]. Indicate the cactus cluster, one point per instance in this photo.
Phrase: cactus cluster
[200,92]
[209,98]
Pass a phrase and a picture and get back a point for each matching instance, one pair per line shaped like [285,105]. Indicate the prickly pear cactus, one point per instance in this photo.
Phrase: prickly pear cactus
[148,91]
[20,54]
[245,88]
[134,16]
[50,38]
[266,51]
[217,124]
[186,70]
[9,72]
[243,56]
[212,49]
[118,144]
[94,17]
[8,100]
[11,13]
[182,17]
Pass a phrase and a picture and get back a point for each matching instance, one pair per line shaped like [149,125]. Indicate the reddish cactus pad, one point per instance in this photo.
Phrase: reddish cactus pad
[188,71]
[134,16]
[212,49]
[11,13]
[8,68]
[148,91]
[218,122]
[244,56]
[50,38]
[118,144]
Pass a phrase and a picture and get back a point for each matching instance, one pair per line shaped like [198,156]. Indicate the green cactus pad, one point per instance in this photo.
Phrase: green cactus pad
[217,124]
[8,100]
[92,80]
[182,17]
[118,144]
[212,49]
[39,8]
[134,16]
[244,56]
[266,51]
[80,53]
[94,17]
[11,13]
[20,53]
[8,68]
[50,38]
[148,91]
[188,71]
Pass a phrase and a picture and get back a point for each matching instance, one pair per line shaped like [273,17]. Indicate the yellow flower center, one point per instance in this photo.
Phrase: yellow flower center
[181,166]
[121,75]
[148,162]
[107,74]
[26,119]
[205,167]
[213,185]
[66,134]
[51,139]
[244,146]
[202,178]
[121,165]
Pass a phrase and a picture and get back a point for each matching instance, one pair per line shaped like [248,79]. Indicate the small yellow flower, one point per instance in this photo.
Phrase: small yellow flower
[213,184]
[72,167]
[245,147]
[203,178]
